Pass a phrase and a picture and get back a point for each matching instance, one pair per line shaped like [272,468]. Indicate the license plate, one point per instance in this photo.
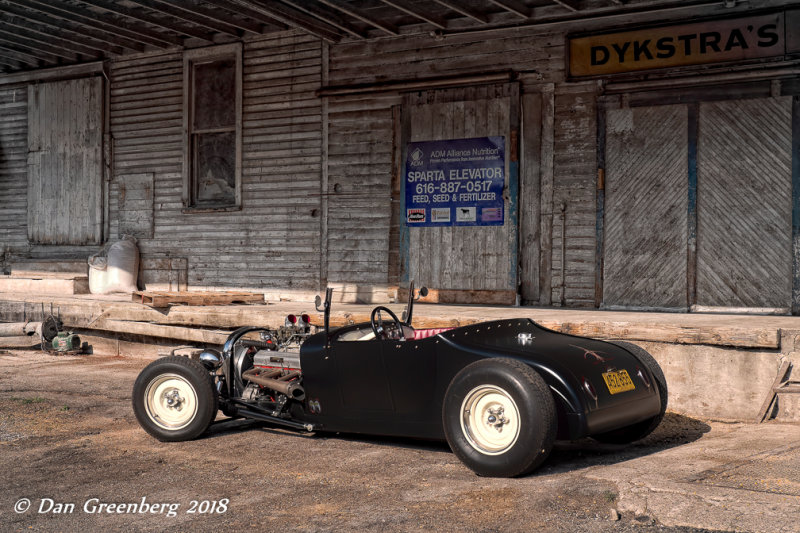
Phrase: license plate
[618,381]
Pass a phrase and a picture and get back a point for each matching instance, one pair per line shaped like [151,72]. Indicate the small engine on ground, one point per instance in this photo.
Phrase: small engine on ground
[60,342]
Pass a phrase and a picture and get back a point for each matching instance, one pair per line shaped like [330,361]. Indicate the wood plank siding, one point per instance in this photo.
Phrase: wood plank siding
[273,243]
[669,188]
[13,170]
[360,146]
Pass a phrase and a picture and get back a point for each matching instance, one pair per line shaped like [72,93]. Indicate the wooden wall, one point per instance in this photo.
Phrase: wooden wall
[318,173]
[273,243]
[360,137]
[13,170]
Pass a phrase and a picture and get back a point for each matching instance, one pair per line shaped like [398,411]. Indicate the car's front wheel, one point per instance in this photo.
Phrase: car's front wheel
[499,417]
[174,399]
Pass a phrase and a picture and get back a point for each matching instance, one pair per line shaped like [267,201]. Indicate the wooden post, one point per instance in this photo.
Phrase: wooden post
[691,243]
[796,204]
[600,199]
[513,189]
[405,237]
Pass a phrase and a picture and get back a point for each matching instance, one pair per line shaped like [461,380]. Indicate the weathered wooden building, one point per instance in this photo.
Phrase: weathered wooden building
[646,152]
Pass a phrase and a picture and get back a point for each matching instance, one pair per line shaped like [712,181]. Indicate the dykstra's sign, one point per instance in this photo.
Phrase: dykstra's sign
[689,44]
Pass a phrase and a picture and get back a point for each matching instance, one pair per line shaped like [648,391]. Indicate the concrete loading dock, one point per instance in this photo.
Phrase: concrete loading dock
[721,367]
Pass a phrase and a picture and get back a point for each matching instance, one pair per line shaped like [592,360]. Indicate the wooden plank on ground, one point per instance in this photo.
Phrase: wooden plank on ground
[166,298]
[161,331]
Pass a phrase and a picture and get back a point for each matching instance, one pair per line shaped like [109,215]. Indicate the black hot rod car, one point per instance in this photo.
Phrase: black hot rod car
[499,392]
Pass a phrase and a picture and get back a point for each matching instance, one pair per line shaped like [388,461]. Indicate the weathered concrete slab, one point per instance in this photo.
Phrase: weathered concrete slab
[735,478]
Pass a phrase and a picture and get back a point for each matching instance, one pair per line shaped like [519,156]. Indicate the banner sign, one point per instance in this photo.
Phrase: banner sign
[457,182]
[675,46]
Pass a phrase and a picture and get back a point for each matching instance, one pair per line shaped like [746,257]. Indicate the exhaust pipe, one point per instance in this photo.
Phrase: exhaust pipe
[265,378]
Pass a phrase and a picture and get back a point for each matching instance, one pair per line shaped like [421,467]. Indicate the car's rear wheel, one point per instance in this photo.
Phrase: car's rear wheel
[499,417]
[174,399]
[642,429]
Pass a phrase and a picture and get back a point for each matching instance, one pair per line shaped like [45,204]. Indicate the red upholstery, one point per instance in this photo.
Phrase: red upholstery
[425,333]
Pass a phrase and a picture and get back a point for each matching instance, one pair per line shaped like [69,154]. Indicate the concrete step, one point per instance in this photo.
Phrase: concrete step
[68,284]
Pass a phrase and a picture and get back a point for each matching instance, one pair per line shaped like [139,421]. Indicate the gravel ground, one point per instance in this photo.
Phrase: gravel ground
[69,442]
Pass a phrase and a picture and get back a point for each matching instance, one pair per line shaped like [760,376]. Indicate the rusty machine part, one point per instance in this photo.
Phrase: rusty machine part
[282,384]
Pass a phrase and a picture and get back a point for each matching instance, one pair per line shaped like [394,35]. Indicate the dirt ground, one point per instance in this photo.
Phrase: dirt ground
[68,436]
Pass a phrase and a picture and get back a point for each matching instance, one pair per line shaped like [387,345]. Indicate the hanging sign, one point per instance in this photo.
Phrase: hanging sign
[700,43]
[457,182]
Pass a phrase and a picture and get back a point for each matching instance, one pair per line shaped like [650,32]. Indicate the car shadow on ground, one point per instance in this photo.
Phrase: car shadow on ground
[674,430]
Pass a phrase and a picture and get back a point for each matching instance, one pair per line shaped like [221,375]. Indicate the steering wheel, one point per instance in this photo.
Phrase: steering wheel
[377,325]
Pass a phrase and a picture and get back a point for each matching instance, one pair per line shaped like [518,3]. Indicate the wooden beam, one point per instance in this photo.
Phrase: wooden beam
[572,5]
[69,72]
[67,27]
[80,44]
[474,14]
[514,6]
[205,336]
[415,12]
[48,58]
[191,16]
[293,17]
[11,63]
[33,43]
[326,15]
[155,20]
[225,17]
[356,14]
[13,25]
[25,59]
[84,17]
[269,22]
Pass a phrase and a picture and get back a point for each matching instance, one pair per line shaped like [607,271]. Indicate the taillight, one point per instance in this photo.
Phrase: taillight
[291,320]
[305,318]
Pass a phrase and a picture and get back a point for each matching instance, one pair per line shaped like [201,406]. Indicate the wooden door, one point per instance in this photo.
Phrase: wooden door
[65,140]
[744,204]
[468,263]
[645,258]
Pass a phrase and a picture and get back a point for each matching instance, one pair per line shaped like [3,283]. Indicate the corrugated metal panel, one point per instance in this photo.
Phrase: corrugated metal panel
[65,162]
[273,243]
[13,169]
[462,257]
[744,203]
[646,207]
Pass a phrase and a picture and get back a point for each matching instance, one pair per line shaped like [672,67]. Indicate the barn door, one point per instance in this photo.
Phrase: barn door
[646,186]
[744,204]
[469,248]
[65,135]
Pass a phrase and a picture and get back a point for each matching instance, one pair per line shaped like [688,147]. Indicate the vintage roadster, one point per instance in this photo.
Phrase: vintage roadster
[499,392]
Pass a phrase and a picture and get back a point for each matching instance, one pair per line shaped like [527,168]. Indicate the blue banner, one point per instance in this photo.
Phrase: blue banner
[457,182]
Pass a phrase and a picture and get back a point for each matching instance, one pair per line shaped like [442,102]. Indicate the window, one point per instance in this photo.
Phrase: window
[212,127]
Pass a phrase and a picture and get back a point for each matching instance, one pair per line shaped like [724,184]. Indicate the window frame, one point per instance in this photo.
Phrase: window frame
[190,58]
